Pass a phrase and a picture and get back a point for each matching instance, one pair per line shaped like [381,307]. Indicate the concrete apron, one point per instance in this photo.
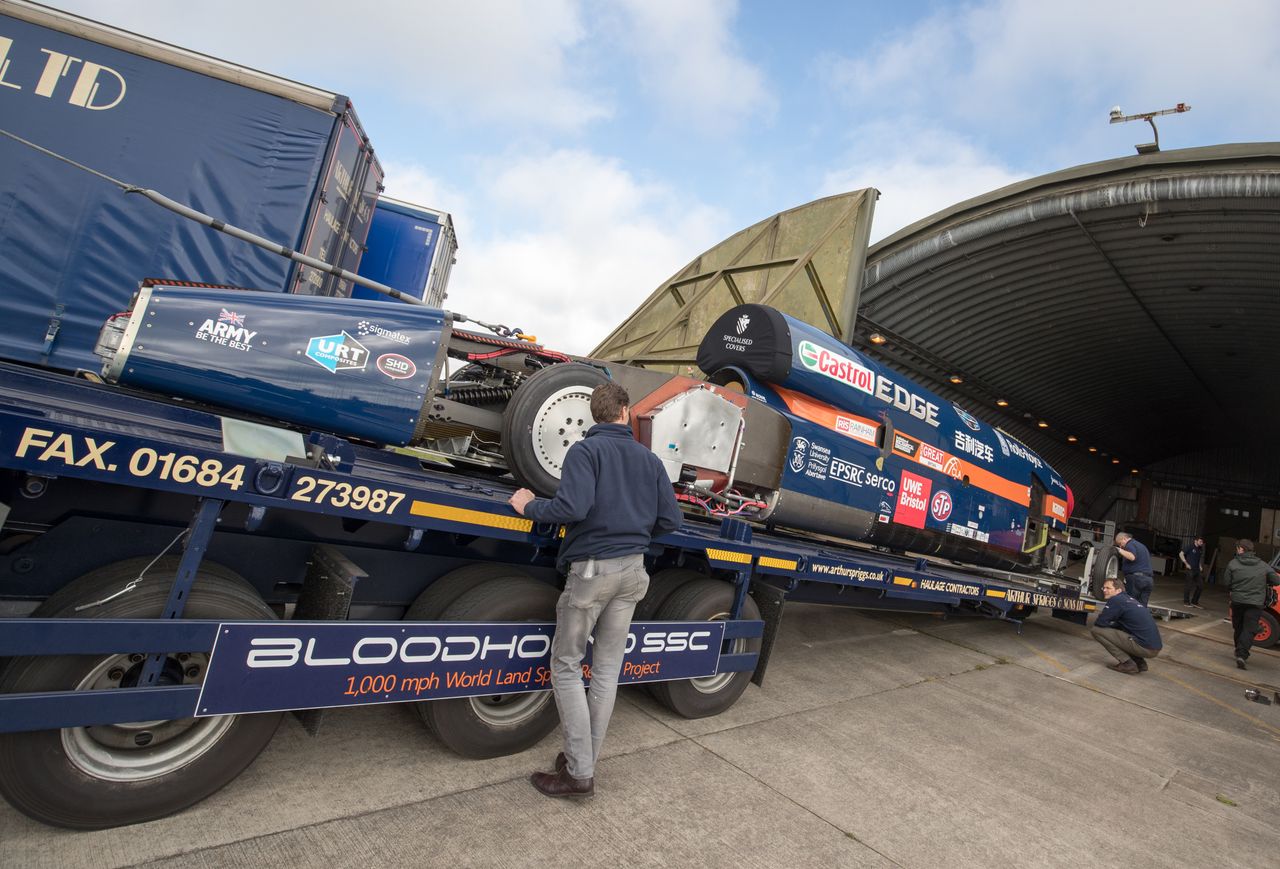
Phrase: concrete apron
[877,740]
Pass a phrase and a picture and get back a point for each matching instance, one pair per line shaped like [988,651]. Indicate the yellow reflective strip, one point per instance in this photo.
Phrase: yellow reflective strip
[1089,607]
[729,555]
[993,592]
[781,563]
[902,580]
[470,517]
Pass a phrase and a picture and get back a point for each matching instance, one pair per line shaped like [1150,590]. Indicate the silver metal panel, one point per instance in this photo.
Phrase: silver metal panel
[696,428]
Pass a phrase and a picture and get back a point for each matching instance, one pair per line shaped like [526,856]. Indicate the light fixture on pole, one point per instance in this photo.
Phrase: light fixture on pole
[1119,117]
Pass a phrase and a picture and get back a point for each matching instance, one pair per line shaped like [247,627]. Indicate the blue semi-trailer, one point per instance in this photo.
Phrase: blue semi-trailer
[282,502]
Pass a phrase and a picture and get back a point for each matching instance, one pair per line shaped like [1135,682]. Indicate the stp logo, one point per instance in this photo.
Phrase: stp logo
[396,367]
[940,506]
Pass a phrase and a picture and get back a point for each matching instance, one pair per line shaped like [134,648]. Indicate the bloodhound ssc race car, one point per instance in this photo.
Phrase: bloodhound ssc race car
[792,428]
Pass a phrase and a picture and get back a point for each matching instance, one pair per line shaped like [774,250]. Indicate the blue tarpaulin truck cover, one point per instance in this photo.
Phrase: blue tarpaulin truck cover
[250,149]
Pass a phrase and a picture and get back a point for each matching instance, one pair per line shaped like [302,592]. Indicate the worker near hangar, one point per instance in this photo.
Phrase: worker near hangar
[1249,579]
[1135,564]
[1192,558]
[615,497]
[1126,629]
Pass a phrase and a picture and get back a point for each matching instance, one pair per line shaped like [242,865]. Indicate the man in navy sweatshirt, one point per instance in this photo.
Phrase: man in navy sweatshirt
[1126,629]
[615,497]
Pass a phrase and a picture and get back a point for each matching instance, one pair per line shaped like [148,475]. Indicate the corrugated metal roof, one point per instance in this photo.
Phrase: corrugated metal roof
[1133,304]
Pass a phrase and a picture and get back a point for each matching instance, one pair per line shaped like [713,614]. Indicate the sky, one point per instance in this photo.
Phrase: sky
[589,150]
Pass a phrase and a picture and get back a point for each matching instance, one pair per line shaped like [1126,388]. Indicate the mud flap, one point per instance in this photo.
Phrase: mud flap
[770,600]
[326,596]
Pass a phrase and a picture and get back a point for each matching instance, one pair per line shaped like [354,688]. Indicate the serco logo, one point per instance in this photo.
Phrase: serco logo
[743,322]
[940,506]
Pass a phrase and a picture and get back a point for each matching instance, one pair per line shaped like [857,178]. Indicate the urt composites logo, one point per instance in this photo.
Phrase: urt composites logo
[338,353]
[743,322]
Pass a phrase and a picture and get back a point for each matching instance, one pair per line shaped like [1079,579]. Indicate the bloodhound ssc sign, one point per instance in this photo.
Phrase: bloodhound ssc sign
[276,666]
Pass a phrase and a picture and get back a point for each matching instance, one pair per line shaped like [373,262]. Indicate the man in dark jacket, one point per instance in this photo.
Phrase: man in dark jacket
[615,497]
[1192,558]
[1135,564]
[1247,577]
[1126,629]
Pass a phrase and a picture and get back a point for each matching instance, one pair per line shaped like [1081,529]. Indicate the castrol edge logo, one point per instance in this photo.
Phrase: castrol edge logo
[837,367]
[861,378]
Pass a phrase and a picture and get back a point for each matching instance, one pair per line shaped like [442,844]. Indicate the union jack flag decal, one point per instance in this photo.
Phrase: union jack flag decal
[231,317]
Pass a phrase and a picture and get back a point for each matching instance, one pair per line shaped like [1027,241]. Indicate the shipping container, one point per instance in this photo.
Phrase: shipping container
[280,159]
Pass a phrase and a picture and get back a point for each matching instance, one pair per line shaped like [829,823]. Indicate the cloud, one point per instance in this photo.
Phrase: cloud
[571,243]
[503,61]
[1027,70]
[688,60]
[917,171]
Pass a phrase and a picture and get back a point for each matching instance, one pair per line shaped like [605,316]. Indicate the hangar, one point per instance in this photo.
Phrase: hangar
[1122,318]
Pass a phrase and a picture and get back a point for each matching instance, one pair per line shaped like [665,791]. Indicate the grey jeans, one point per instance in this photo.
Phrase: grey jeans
[603,603]
[1122,646]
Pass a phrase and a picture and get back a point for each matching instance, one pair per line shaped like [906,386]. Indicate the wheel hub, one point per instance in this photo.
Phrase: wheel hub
[561,421]
[140,750]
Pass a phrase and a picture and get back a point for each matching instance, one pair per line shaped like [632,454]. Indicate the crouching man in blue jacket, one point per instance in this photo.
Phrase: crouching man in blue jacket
[615,497]
[1126,629]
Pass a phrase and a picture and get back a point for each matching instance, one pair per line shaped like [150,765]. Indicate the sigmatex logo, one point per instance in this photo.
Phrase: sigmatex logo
[836,367]
[338,352]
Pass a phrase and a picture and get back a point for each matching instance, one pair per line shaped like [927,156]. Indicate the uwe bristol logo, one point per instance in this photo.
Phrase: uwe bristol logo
[743,322]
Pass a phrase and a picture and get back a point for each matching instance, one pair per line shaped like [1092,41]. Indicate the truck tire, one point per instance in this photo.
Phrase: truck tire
[97,777]
[1268,630]
[1106,565]
[500,724]
[440,595]
[705,600]
[662,585]
[550,412]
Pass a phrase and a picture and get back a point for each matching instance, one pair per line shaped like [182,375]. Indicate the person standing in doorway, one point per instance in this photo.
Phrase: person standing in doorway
[1135,564]
[1192,558]
[615,497]
[1248,579]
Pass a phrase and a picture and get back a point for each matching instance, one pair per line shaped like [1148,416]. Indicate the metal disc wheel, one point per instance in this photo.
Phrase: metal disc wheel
[550,412]
[128,772]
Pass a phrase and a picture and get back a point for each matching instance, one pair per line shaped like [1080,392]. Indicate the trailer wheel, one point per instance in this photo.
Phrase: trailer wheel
[705,600]
[431,604]
[550,412]
[126,773]
[1268,630]
[496,724]
[662,585]
[1104,567]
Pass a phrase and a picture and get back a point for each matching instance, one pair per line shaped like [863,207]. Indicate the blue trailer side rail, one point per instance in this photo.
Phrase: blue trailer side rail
[54,426]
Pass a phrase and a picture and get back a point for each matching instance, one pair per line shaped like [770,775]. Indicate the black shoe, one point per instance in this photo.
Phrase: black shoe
[561,784]
[1142,664]
[1240,663]
[1126,667]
